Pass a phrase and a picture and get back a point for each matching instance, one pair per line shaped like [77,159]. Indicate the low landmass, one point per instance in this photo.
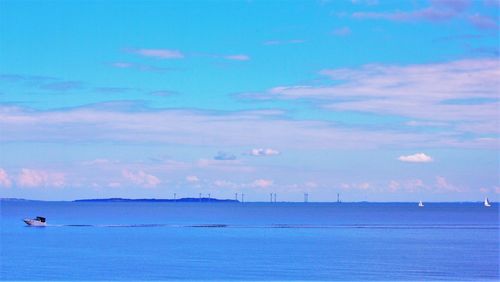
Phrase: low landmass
[185,200]
[18,200]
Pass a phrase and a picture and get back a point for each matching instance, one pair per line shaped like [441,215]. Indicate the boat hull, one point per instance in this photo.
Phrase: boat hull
[36,223]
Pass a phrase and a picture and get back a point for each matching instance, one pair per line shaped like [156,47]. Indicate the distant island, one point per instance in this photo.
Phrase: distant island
[184,200]
[15,200]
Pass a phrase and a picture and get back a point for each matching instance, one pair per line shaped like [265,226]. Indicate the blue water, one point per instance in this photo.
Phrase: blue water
[251,241]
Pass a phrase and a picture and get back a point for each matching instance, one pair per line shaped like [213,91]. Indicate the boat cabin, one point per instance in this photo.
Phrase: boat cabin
[40,218]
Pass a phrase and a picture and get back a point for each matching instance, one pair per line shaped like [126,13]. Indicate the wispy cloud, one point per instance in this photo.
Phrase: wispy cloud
[416,123]
[237,57]
[258,183]
[158,53]
[342,31]
[483,22]
[492,3]
[435,185]
[4,179]
[114,184]
[140,67]
[224,184]
[133,123]
[357,186]
[27,79]
[438,11]
[54,84]
[40,178]
[230,57]
[62,85]
[122,65]
[112,89]
[365,2]
[283,42]
[98,162]
[192,179]
[443,185]
[263,183]
[491,51]
[419,92]
[224,165]
[163,93]
[416,158]
[141,178]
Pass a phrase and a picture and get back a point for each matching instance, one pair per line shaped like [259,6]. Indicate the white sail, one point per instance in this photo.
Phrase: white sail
[420,204]
[486,202]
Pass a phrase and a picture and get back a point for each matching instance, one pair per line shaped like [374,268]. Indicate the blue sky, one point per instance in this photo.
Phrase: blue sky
[375,100]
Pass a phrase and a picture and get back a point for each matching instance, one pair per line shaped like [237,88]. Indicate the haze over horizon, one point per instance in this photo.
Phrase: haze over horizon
[375,100]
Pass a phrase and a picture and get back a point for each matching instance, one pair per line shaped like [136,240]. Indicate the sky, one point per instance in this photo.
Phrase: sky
[376,100]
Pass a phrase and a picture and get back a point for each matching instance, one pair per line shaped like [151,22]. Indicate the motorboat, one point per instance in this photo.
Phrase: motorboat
[486,202]
[420,204]
[38,221]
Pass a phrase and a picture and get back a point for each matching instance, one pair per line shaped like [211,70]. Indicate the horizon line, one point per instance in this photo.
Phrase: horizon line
[217,200]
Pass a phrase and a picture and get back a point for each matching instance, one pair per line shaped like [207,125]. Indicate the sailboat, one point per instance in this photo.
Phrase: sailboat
[486,202]
[420,204]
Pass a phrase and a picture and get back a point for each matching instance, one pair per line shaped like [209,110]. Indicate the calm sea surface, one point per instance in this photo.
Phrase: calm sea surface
[252,241]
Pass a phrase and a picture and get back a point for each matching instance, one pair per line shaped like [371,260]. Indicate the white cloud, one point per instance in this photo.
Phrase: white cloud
[4,179]
[264,152]
[464,92]
[141,178]
[416,158]
[40,178]
[116,122]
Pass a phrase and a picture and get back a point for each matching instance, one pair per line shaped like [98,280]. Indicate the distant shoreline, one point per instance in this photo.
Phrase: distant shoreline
[211,200]
[182,200]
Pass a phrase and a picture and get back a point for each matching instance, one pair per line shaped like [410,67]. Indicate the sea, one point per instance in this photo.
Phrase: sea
[250,241]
